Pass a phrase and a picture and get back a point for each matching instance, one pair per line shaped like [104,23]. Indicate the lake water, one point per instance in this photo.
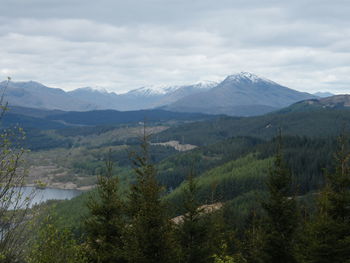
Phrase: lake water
[42,195]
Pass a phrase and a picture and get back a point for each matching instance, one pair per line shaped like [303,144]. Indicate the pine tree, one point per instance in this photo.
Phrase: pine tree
[252,242]
[105,224]
[282,214]
[328,235]
[194,229]
[149,236]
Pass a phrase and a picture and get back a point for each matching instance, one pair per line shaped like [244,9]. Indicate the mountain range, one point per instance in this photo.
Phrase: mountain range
[242,94]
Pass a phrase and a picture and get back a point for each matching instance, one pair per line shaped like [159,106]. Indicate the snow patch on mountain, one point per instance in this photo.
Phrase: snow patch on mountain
[91,90]
[164,90]
[205,84]
[153,90]
[247,77]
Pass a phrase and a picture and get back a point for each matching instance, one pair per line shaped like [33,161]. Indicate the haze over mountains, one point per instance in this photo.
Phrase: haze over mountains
[242,94]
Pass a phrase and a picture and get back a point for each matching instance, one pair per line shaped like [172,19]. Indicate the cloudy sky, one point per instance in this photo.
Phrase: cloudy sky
[125,44]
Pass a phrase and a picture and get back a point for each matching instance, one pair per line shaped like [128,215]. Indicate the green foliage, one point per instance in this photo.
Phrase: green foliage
[85,131]
[172,171]
[238,211]
[338,185]
[228,181]
[282,215]
[194,229]
[223,257]
[252,243]
[149,233]
[105,223]
[13,206]
[72,212]
[320,123]
[327,237]
[306,158]
[54,246]
[44,140]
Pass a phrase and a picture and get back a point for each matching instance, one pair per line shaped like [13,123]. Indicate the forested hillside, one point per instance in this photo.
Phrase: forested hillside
[310,123]
[227,190]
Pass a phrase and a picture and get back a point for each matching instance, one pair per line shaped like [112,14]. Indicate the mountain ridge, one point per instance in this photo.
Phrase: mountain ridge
[242,94]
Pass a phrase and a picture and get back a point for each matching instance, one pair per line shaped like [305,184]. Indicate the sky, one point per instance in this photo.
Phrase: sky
[121,45]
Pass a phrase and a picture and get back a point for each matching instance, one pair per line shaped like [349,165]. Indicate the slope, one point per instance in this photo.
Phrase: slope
[35,95]
[318,122]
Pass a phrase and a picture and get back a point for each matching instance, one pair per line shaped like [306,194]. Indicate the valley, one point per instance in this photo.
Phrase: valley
[71,157]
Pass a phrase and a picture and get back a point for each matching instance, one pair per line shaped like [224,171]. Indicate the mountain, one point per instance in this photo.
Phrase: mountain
[35,95]
[323,94]
[242,94]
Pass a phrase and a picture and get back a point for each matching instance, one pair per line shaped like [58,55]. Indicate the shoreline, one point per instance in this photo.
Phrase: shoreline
[62,187]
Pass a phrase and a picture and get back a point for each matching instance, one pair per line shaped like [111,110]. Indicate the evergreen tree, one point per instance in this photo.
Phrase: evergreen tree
[252,242]
[149,236]
[224,257]
[105,224]
[194,228]
[328,235]
[282,214]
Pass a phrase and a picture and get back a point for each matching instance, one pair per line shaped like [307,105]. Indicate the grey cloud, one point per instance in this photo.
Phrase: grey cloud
[122,45]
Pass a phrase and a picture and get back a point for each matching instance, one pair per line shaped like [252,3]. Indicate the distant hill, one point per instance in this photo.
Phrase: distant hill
[333,102]
[55,119]
[316,118]
[32,112]
[25,121]
[110,117]
[323,94]
[242,94]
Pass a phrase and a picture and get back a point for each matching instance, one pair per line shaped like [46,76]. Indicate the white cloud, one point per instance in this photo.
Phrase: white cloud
[124,45]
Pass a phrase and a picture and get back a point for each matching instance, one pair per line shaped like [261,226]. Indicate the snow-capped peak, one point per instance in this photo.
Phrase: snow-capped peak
[165,89]
[90,89]
[247,76]
[206,84]
[153,90]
